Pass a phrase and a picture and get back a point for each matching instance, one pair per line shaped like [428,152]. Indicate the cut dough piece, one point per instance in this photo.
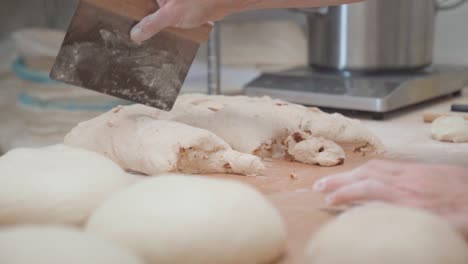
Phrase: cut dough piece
[55,185]
[261,125]
[386,234]
[304,148]
[342,130]
[450,129]
[58,245]
[176,219]
[134,138]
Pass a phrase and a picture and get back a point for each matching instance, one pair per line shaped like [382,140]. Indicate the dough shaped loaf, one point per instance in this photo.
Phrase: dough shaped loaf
[178,219]
[59,245]
[450,129]
[136,139]
[55,185]
[261,126]
[386,234]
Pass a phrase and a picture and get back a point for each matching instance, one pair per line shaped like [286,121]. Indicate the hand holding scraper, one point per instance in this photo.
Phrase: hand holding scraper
[98,54]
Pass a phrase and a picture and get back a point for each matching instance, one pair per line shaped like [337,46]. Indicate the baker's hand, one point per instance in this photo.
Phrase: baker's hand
[181,14]
[193,13]
[440,189]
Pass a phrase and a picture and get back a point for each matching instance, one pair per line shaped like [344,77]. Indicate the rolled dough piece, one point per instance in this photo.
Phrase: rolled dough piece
[55,185]
[176,219]
[450,129]
[303,147]
[134,138]
[58,245]
[386,234]
[261,125]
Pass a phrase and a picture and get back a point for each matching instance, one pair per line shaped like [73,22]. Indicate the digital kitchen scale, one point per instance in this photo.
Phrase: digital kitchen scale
[378,93]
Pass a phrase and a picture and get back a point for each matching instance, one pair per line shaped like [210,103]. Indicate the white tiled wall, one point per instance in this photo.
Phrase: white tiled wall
[452,36]
[451,44]
[16,14]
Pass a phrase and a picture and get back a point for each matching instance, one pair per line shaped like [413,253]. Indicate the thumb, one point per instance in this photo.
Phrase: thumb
[153,24]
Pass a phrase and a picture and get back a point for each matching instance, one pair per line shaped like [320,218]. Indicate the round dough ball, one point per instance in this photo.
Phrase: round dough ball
[57,245]
[176,219]
[386,234]
[55,185]
[450,129]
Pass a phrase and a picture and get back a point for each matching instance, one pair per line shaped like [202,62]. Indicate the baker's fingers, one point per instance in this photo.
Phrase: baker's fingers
[367,190]
[333,182]
[153,24]
[384,170]
[386,167]
[162,3]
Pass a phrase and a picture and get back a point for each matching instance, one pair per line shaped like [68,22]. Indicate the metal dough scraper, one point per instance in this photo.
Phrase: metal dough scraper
[98,54]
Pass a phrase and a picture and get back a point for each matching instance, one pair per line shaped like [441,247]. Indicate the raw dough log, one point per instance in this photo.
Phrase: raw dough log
[134,138]
[177,219]
[261,125]
[450,129]
[55,185]
[58,245]
[386,234]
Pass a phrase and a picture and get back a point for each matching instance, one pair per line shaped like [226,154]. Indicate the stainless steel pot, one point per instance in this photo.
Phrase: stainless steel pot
[374,35]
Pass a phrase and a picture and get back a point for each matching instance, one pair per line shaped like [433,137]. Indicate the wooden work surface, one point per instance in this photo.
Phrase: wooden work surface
[405,136]
[300,206]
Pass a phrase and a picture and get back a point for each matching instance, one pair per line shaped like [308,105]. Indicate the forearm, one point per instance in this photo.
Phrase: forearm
[270,4]
[192,13]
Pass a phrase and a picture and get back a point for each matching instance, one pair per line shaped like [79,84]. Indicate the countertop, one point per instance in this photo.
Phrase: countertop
[407,138]
[404,134]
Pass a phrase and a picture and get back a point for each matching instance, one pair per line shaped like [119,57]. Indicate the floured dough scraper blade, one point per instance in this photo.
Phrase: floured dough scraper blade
[98,54]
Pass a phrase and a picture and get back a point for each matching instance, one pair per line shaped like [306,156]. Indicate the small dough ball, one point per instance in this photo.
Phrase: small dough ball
[176,219]
[386,234]
[450,129]
[58,245]
[55,185]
